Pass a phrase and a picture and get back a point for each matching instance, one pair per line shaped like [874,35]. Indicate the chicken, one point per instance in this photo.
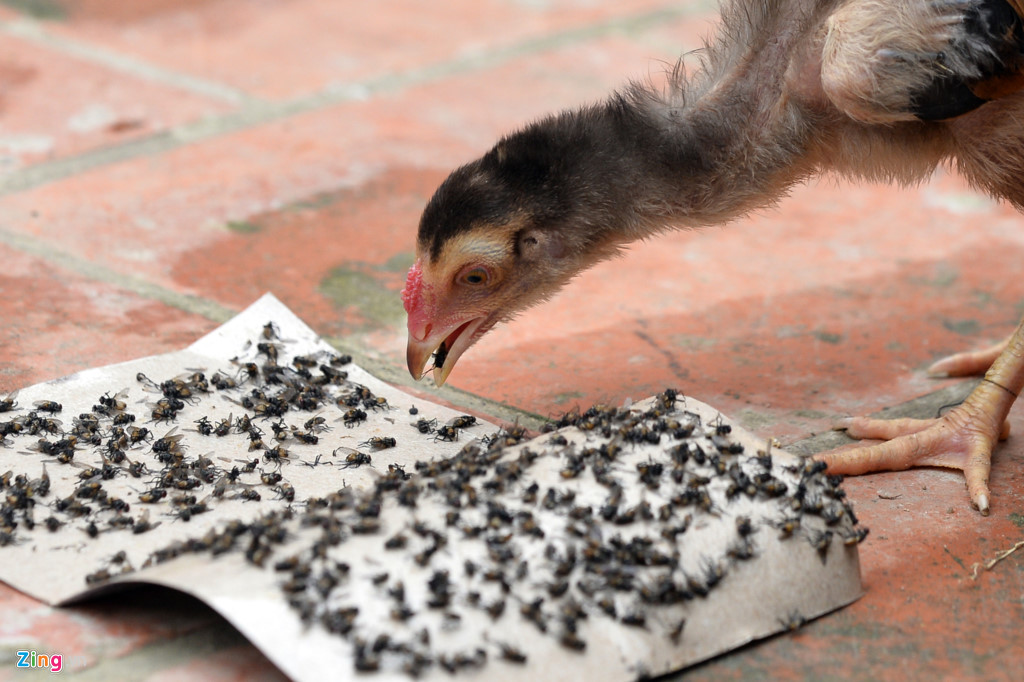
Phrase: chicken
[882,90]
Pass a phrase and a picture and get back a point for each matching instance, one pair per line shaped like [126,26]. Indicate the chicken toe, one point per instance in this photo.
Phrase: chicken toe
[963,438]
[968,363]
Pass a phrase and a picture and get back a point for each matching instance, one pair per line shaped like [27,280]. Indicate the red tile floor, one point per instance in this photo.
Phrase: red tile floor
[163,163]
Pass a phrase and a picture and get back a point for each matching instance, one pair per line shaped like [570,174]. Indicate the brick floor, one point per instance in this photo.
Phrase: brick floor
[164,163]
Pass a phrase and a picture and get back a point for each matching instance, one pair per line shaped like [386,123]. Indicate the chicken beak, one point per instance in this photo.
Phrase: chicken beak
[456,339]
[416,355]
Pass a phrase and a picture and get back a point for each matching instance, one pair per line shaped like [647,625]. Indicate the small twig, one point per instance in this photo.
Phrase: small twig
[888,497]
[992,562]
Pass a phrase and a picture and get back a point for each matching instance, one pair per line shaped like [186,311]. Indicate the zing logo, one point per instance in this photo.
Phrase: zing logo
[30,659]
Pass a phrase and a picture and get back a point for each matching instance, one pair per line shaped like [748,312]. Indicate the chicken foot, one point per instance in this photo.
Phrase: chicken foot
[963,438]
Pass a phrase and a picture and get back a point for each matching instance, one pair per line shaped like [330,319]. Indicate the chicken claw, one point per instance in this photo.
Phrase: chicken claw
[963,438]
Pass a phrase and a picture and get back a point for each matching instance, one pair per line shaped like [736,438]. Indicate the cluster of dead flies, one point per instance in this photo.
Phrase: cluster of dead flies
[617,560]
[116,439]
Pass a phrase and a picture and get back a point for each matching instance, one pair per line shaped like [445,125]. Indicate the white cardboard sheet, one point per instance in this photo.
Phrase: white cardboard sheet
[771,576]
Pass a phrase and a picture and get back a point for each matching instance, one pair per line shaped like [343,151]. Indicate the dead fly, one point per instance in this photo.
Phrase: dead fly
[463,421]
[223,382]
[244,423]
[256,440]
[396,542]
[250,369]
[425,426]
[511,654]
[810,468]
[48,406]
[97,577]
[287,492]
[787,527]
[376,403]
[353,417]
[9,403]
[137,434]
[407,494]
[353,458]
[168,446]
[304,363]
[186,507]
[855,536]
[41,486]
[334,376]
[440,355]
[792,621]
[166,409]
[570,640]
[533,613]
[280,429]
[744,526]
[275,454]
[650,473]
[72,507]
[742,550]
[832,514]
[111,403]
[305,437]
[366,660]
[635,619]
[366,526]
[270,478]
[270,350]
[340,621]
[223,427]
[152,496]
[574,466]
[820,540]
[271,331]
[380,442]
[106,472]
[495,609]
[447,433]
[85,423]
[677,632]
[316,424]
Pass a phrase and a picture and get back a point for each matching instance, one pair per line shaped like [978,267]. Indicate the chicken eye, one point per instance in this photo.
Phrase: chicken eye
[475,277]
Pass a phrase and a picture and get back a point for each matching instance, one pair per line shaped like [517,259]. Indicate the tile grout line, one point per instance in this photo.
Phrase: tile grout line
[254,112]
[33,31]
[137,285]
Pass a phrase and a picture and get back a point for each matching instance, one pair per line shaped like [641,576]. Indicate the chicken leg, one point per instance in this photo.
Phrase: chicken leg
[962,439]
